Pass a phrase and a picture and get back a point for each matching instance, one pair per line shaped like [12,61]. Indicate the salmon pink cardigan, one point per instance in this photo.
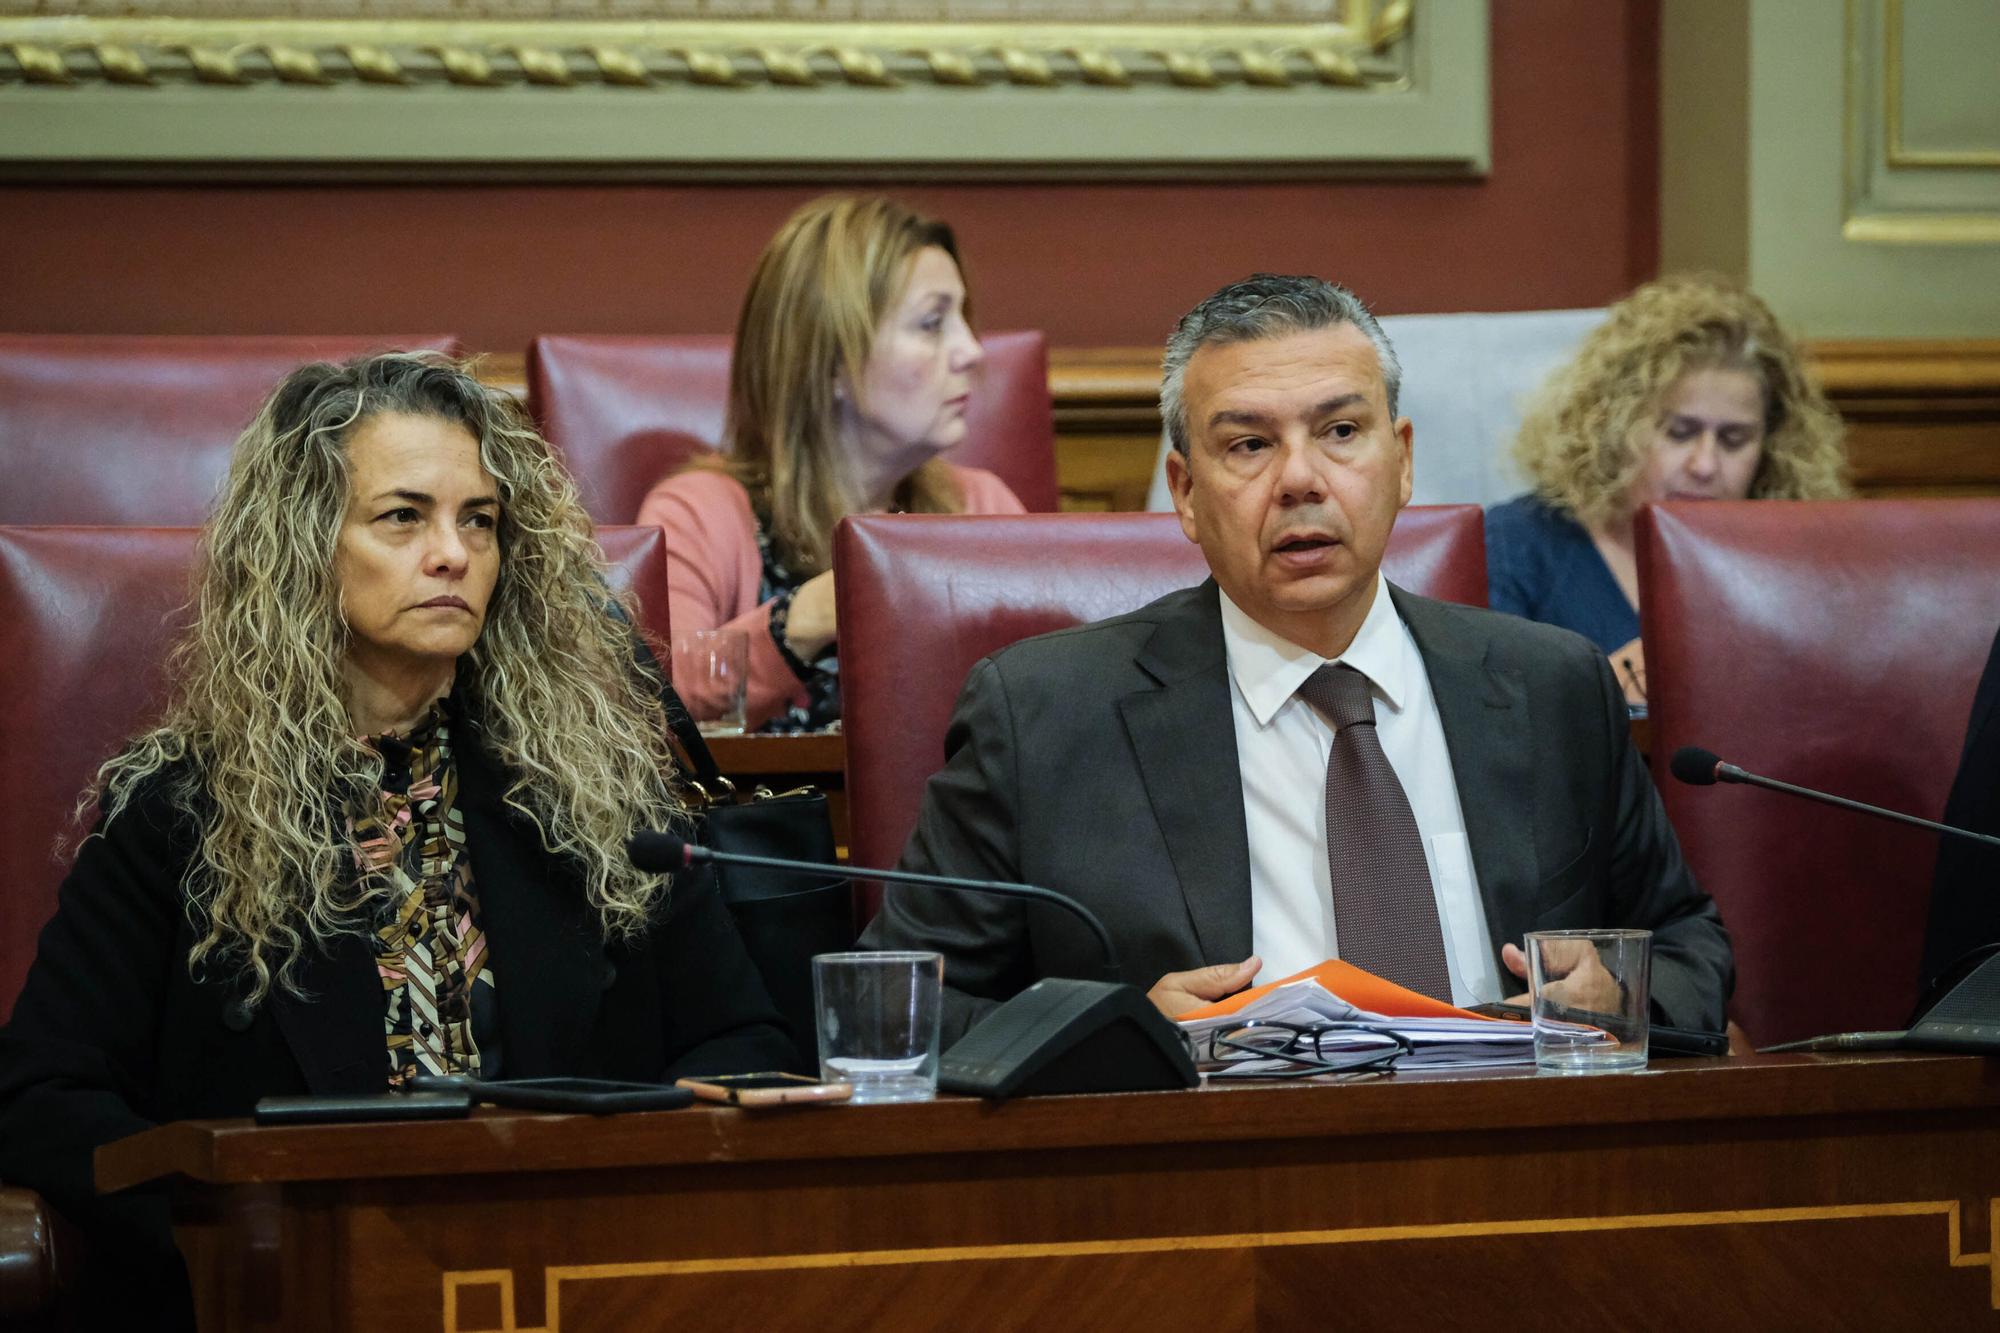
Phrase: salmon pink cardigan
[713,572]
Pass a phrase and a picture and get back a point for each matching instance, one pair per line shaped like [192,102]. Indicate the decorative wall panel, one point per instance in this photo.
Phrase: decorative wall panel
[743,88]
[1923,122]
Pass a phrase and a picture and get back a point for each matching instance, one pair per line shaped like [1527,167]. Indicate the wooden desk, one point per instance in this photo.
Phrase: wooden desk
[1769,1192]
[812,754]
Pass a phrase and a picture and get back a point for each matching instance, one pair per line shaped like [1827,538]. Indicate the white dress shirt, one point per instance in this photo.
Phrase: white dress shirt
[1282,744]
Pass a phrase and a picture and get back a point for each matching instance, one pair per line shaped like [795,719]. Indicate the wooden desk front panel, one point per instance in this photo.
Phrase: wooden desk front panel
[1825,1221]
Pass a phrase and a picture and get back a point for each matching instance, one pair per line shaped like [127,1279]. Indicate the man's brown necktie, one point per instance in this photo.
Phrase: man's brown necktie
[1383,909]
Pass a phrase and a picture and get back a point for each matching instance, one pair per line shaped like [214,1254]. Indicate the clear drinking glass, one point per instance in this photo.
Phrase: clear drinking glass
[1586,985]
[711,670]
[878,1017]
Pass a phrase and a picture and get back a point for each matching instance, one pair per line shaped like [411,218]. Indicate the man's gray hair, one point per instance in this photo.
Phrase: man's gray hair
[1265,305]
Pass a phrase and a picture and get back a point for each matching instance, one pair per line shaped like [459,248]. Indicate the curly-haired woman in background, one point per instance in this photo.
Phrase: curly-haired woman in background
[1690,390]
[381,827]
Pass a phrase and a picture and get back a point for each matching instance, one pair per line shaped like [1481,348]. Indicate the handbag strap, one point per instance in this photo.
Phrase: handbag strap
[688,737]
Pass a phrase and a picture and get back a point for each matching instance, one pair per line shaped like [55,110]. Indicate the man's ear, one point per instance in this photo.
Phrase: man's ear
[1180,484]
[1406,437]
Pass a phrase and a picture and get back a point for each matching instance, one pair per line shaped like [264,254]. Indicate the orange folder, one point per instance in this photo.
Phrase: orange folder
[1363,990]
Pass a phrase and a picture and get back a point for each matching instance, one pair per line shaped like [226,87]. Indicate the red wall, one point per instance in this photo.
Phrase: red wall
[1567,217]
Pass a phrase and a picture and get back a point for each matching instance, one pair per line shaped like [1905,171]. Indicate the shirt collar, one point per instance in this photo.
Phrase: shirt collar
[1269,668]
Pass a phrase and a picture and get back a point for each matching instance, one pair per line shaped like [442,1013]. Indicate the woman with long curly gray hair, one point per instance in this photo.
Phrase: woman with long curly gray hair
[380,829]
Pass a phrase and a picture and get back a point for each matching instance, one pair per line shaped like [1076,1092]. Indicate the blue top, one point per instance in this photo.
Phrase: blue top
[1541,564]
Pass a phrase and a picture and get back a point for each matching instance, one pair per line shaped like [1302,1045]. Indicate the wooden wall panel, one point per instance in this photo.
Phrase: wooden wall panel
[1923,417]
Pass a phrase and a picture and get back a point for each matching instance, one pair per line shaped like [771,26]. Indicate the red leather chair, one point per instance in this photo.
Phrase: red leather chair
[136,430]
[1834,645]
[87,614]
[627,411]
[924,597]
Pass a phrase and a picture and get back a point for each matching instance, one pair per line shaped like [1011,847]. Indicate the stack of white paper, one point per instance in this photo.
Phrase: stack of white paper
[1448,1040]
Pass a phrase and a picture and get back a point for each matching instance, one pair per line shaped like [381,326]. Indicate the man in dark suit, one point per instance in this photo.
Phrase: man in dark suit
[1295,760]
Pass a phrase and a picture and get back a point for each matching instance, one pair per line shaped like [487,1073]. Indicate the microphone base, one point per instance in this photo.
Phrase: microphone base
[1065,1035]
[1961,1016]
[1965,1014]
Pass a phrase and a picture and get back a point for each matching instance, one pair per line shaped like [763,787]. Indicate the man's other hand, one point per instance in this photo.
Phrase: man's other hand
[1177,992]
[1577,978]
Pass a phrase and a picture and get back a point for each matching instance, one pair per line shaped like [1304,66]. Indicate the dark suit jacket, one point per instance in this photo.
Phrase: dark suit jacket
[111,1035]
[1101,761]
[1965,896]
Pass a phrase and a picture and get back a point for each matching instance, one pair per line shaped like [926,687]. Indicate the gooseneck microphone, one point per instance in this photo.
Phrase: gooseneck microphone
[1963,1014]
[1704,768]
[1062,1034]
[664,854]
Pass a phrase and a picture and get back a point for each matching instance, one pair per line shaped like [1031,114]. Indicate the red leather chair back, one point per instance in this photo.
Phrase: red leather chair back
[924,597]
[627,411]
[137,430]
[1835,645]
[87,615]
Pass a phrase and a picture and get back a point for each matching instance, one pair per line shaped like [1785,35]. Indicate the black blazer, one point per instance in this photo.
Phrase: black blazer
[1101,761]
[1965,896]
[111,1035]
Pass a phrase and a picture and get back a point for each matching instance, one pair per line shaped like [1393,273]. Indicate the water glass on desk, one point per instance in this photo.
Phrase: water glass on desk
[879,1016]
[1581,980]
[713,664]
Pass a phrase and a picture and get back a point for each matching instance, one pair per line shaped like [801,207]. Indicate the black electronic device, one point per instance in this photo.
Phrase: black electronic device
[588,1096]
[1668,1042]
[1961,1012]
[1661,1040]
[440,1104]
[1059,1035]
[1067,1035]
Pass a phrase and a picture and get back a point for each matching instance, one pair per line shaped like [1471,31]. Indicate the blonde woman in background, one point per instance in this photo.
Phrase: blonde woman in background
[853,363]
[1690,390]
[381,828]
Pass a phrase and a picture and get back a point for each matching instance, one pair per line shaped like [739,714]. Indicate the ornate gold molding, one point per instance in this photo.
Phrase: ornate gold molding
[71,52]
[629,89]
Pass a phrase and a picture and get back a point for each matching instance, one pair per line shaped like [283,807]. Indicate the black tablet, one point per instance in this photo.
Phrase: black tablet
[591,1096]
[445,1102]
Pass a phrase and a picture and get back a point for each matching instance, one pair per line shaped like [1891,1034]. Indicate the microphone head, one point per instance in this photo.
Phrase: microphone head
[1695,766]
[661,853]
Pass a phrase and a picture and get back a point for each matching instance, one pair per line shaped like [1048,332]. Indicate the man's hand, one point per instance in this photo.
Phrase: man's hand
[1177,992]
[1576,978]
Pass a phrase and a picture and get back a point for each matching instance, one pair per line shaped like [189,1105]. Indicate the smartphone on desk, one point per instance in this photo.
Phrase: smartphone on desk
[764,1089]
[1661,1040]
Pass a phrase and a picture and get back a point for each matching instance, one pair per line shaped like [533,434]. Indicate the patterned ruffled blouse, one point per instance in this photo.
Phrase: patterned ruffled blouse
[821,676]
[440,1011]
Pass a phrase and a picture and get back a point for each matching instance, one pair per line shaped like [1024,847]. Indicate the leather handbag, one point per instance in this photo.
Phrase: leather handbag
[784,917]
